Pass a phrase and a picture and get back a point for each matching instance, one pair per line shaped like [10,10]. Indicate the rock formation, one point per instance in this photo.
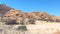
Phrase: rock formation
[18,15]
[4,9]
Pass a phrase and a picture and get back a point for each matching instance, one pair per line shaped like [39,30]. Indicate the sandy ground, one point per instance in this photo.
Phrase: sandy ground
[45,28]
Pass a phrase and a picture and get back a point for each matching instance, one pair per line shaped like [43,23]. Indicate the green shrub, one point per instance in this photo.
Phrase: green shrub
[22,28]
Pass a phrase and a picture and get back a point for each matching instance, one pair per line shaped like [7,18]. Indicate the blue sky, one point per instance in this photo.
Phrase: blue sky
[50,6]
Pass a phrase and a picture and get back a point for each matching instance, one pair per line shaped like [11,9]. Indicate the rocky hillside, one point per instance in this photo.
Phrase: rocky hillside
[35,15]
[16,14]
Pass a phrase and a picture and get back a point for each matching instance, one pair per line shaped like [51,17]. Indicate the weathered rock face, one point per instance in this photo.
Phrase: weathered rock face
[13,13]
[4,9]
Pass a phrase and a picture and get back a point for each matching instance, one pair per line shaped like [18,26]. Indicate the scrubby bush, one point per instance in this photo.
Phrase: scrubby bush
[57,20]
[22,21]
[11,22]
[31,21]
[22,28]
